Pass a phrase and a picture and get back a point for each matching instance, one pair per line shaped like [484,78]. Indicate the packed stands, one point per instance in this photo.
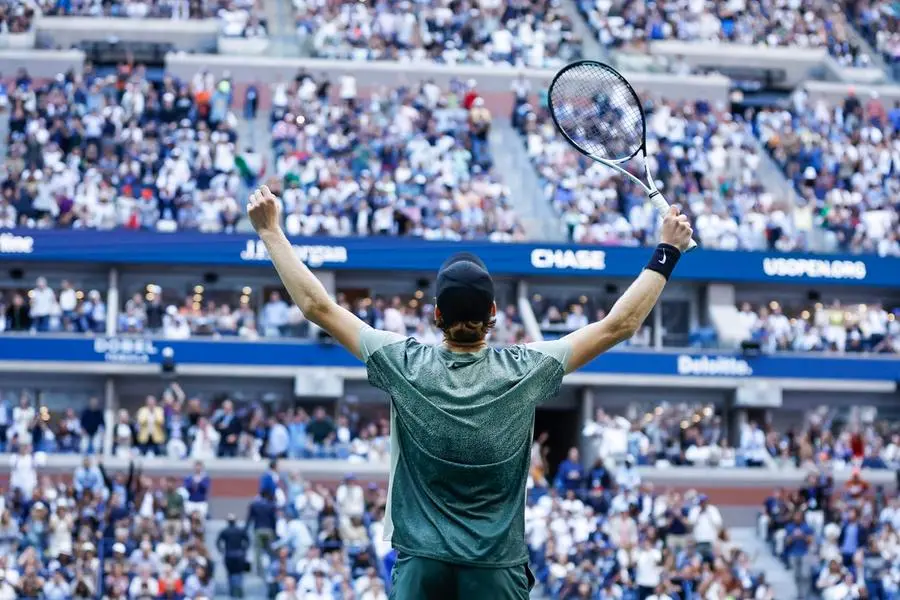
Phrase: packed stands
[704,157]
[121,151]
[877,20]
[839,540]
[124,535]
[831,328]
[410,161]
[839,158]
[44,308]
[533,34]
[161,313]
[630,25]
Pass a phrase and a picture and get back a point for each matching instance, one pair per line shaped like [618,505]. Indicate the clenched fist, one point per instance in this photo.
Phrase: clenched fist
[264,210]
[676,230]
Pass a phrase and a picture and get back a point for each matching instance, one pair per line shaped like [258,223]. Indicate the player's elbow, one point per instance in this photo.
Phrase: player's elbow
[316,309]
[624,329]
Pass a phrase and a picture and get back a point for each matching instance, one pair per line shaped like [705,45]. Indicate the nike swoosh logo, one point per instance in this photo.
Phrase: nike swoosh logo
[662,261]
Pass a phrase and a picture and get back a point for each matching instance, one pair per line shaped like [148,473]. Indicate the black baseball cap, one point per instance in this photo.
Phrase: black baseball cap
[465,290]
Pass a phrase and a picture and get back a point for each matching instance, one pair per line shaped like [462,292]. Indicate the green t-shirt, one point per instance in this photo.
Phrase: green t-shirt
[461,432]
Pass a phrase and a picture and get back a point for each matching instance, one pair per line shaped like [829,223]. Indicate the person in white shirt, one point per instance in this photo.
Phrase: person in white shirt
[206,441]
[350,497]
[393,317]
[22,420]
[290,591]
[43,302]
[374,592]
[576,318]
[144,584]
[707,524]
[68,301]
[648,568]
[23,476]
[279,439]
[753,444]
[320,588]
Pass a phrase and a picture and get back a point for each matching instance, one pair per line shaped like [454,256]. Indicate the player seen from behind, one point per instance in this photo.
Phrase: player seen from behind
[462,413]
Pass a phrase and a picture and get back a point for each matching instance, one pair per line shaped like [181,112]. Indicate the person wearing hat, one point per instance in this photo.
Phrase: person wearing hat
[462,413]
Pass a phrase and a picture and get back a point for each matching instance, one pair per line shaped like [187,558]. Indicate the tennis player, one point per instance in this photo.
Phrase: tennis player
[462,414]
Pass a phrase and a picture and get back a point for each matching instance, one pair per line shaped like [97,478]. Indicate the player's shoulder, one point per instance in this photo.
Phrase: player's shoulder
[372,340]
[560,350]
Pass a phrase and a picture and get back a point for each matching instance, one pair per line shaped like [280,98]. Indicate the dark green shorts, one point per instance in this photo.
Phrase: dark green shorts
[416,578]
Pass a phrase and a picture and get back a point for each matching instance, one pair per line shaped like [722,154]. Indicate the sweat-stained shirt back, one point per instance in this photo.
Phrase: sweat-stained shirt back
[461,432]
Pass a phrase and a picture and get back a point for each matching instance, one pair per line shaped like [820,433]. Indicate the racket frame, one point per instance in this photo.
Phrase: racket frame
[656,198]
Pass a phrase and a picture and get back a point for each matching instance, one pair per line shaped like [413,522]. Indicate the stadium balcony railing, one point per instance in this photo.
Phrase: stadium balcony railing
[188,35]
[783,67]
[238,478]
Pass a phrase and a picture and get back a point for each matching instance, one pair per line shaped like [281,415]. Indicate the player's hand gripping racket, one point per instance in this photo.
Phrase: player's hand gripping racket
[599,113]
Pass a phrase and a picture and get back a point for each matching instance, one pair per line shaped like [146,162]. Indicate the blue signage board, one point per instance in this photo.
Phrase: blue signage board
[402,254]
[128,350]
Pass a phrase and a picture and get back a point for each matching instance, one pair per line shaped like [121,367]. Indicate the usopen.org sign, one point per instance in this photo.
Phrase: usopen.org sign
[814,268]
[125,350]
[314,256]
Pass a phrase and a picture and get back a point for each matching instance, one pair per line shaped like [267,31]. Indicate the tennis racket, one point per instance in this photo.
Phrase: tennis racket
[599,113]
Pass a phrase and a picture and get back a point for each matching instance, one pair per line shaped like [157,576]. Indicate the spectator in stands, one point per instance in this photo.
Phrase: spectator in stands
[43,302]
[228,427]
[93,427]
[233,544]
[261,517]
[151,427]
[707,525]
[17,315]
[570,476]
[274,316]
[197,485]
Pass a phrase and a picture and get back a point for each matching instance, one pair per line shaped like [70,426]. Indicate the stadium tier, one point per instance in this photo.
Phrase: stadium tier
[773,23]
[178,423]
[534,34]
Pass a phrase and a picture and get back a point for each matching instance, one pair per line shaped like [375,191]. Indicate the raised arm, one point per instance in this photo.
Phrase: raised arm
[305,289]
[632,308]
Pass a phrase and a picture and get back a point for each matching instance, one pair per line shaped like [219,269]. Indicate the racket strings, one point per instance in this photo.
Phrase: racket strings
[598,111]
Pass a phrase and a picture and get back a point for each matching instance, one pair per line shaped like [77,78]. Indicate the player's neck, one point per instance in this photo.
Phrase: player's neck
[458,347]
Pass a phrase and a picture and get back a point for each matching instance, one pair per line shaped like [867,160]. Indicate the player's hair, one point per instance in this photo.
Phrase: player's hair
[466,332]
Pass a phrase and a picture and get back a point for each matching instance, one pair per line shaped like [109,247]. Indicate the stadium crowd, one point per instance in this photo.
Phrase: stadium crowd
[593,530]
[838,541]
[406,161]
[601,532]
[43,309]
[238,18]
[631,24]
[124,535]
[536,34]
[840,158]
[703,158]
[121,151]
[177,426]
[833,327]
[877,20]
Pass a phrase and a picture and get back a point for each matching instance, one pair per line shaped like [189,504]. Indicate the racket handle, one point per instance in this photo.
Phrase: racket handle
[662,207]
